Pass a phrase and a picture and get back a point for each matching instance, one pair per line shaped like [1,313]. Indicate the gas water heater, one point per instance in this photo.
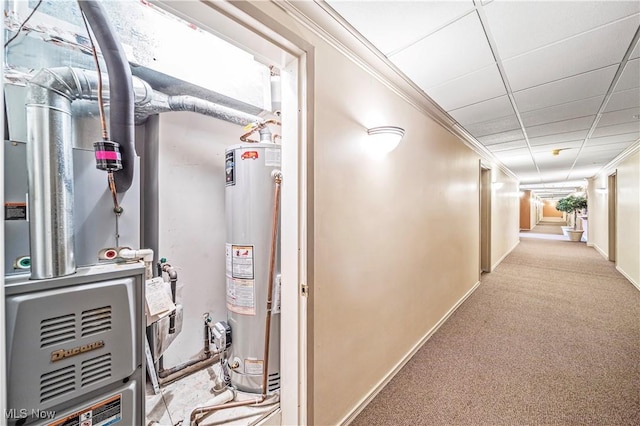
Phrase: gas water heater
[250,203]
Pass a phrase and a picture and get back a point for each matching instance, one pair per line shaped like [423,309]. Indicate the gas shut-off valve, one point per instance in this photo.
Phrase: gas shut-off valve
[221,335]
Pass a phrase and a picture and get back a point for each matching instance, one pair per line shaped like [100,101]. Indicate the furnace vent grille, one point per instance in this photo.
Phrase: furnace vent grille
[57,330]
[57,383]
[274,382]
[96,321]
[96,369]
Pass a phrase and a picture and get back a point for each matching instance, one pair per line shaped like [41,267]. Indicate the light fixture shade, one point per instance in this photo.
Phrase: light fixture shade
[385,138]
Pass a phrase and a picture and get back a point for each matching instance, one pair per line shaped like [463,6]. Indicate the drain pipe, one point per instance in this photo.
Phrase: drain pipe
[121,101]
[198,411]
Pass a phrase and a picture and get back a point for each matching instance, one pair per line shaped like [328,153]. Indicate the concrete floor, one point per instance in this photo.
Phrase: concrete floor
[174,404]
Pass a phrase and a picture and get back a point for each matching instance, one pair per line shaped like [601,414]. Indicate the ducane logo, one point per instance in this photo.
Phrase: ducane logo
[67,353]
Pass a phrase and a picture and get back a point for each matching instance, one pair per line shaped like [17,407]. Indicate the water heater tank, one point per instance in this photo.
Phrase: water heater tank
[249,204]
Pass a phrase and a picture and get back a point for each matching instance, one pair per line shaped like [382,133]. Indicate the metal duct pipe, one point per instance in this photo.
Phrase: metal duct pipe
[121,123]
[160,103]
[50,164]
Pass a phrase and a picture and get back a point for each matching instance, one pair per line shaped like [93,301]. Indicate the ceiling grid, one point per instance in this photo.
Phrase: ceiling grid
[522,78]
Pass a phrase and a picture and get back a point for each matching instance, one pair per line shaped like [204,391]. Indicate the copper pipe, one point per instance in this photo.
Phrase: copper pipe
[258,126]
[172,374]
[277,175]
[103,121]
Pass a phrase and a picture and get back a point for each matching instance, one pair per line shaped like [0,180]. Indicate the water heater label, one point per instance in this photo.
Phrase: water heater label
[242,262]
[241,296]
[253,366]
[230,168]
[272,157]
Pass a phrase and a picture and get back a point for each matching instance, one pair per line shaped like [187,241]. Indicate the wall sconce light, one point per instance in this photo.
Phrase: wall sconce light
[384,139]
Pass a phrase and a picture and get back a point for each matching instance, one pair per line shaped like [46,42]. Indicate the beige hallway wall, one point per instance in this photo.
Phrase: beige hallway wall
[396,239]
[627,215]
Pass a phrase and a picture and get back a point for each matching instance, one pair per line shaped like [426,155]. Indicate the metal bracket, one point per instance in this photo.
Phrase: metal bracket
[304,290]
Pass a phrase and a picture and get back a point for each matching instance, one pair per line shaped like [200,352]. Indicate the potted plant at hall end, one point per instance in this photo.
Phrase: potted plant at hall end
[572,204]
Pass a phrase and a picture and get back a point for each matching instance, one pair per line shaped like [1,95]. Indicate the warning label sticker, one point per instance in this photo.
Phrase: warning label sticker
[229,168]
[241,296]
[253,366]
[15,211]
[242,262]
[272,157]
[104,413]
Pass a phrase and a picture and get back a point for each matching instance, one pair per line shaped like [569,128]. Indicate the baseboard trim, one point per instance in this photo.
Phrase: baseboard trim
[385,380]
[505,255]
[631,280]
[599,250]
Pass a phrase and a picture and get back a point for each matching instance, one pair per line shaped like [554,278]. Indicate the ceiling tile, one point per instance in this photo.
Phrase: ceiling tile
[455,50]
[517,162]
[625,137]
[630,77]
[568,111]
[623,100]
[581,123]
[568,57]
[548,148]
[636,52]
[391,25]
[483,111]
[500,125]
[521,26]
[620,117]
[578,135]
[508,146]
[478,86]
[513,152]
[613,147]
[618,129]
[585,172]
[569,89]
[503,137]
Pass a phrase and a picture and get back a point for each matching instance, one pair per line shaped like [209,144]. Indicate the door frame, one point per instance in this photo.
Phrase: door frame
[612,192]
[484,189]
[251,29]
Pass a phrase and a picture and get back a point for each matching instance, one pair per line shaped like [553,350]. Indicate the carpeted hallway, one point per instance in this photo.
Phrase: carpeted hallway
[551,337]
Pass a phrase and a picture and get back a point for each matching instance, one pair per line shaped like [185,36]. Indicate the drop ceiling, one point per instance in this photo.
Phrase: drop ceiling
[522,77]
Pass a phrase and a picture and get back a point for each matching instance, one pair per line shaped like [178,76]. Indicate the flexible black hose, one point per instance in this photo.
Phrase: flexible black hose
[121,95]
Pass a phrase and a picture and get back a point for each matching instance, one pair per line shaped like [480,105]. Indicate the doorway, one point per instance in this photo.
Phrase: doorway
[612,193]
[485,219]
[240,23]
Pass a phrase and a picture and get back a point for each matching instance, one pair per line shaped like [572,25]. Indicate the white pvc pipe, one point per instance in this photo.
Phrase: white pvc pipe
[145,254]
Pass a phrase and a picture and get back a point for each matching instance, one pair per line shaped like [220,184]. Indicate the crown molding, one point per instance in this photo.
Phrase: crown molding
[620,158]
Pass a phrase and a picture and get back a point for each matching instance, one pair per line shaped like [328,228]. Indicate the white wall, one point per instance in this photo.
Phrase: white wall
[505,225]
[628,219]
[627,215]
[192,231]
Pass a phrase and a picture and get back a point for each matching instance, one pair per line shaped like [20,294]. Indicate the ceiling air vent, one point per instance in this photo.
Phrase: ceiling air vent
[96,369]
[57,330]
[57,383]
[96,321]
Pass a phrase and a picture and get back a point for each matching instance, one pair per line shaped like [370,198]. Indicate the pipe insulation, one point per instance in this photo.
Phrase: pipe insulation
[121,118]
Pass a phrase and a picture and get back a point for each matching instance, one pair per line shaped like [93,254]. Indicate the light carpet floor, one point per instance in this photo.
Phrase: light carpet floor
[551,337]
